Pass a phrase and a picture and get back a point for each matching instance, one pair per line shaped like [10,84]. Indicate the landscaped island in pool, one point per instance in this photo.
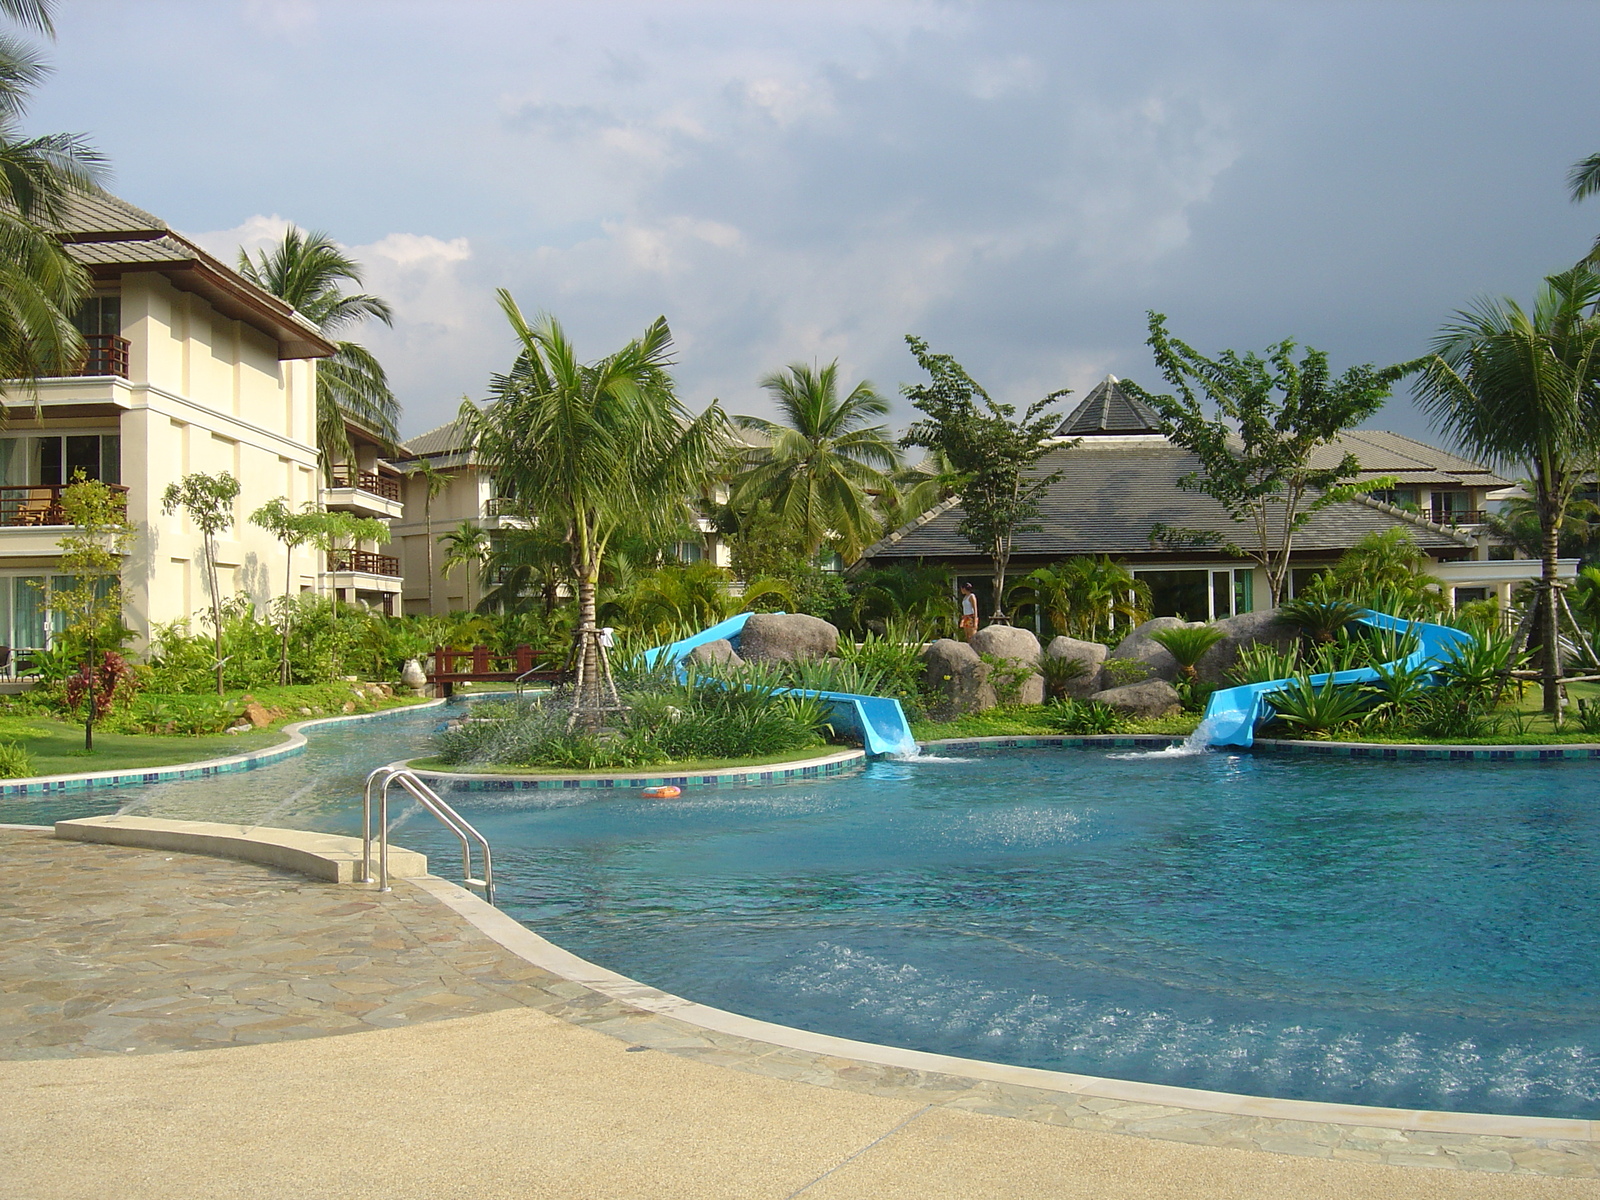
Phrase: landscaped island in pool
[1415,934]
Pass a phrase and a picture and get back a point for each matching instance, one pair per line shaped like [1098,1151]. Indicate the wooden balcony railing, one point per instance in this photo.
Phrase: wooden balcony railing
[363,561]
[40,504]
[370,481]
[1458,516]
[502,506]
[108,355]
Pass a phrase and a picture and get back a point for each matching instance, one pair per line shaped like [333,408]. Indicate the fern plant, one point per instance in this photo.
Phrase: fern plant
[1317,710]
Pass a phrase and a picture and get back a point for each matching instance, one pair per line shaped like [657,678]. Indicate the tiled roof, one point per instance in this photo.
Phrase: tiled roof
[1114,490]
[1107,409]
[444,439]
[100,213]
[1408,460]
[116,253]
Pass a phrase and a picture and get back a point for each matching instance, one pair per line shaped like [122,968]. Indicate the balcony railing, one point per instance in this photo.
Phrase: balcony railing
[363,561]
[40,504]
[1458,516]
[386,486]
[108,355]
[502,506]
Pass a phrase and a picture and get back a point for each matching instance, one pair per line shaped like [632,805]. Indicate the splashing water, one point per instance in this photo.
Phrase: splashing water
[1198,742]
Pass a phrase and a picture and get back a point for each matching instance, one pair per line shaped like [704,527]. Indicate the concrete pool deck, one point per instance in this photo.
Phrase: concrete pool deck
[468,1070]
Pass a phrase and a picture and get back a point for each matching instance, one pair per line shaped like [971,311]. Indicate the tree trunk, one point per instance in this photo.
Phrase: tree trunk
[216,603]
[1550,667]
[1000,557]
[427,525]
[288,594]
[88,717]
[589,660]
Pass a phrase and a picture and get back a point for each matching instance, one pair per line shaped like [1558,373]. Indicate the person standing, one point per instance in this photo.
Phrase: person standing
[969,612]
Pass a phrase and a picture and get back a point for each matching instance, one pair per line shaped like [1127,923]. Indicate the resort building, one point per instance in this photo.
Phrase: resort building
[370,486]
[190,368]
[1119,495]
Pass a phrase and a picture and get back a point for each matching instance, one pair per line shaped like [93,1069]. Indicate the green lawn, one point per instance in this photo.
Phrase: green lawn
[56,747]
[1029,721]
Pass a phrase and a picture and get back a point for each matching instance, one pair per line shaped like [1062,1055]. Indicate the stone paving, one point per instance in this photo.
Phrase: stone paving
[106,950]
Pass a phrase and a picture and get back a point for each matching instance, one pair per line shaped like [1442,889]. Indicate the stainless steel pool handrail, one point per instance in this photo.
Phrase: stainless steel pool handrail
[382,780]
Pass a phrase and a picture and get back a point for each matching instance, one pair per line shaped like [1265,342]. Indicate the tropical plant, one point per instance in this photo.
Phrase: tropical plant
[1058,674]
[1386,571]
[594,448]
[1257,429]
[1583,181]
[902,593]
[1084,718]
[41,286]
[819,465]
[293,529]
[434,482]
[1400,687]
[1188,644]
[467,545]
[207,500]
[15,762]
[91,555]
[1481,667]
[1518,526]
[1262,662]
[991,453]
[305,270]
[1317,709]
[1320,620]
[1449,713]
[1085,596]
[1523,388]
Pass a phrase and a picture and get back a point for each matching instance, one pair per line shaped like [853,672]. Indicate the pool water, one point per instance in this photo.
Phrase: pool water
[1390,933]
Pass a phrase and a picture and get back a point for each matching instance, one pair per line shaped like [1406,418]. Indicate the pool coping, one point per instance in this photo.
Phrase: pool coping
[293,744]
[1383,751]
[522,941]
[836,763]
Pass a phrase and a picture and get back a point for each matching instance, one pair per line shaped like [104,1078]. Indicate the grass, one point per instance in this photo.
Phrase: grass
[654,769]
[55,746]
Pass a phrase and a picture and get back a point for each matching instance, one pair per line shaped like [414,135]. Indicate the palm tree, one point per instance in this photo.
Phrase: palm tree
[41,287]
[465,545]
[819,464]
[304,270]
[1523,388]
[594,449]
[1087,593]
[1583,181]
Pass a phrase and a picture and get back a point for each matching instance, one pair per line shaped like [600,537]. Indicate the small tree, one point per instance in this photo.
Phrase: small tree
[991,452]
[466,545]
[208,502]
[293,529]
[433,483]
[91,555]
[1270,416]
[332,531]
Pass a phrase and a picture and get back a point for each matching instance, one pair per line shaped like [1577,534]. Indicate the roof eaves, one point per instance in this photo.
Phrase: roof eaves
[889,539]
[1419,521]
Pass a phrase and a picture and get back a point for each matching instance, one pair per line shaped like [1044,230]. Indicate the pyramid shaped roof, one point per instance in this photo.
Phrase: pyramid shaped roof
[1106,410]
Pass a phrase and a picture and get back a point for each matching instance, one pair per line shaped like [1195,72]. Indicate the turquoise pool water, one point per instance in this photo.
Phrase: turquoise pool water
[1407,934]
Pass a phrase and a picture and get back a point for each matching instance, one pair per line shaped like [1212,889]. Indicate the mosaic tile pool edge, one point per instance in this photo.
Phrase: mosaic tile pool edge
[296,744]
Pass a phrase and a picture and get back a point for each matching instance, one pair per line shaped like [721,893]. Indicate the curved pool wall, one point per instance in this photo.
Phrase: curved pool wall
[1013,927]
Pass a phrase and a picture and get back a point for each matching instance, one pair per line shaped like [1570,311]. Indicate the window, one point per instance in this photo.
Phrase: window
[52,461]
[1498,553]
[100,315]
[1302,577]
[689,552]
[1405,498]
[1183,594]
[1468,595]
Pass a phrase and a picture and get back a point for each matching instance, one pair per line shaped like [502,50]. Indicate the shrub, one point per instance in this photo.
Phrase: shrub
[1084,717]
[1122,671]
[1006,677]
[1453,713]
[15,762]
[1317,710]
[1058,673]
[1319,620]
[1261,663]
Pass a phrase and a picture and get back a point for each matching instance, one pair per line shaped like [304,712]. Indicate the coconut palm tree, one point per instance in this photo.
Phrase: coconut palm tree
[434,482]
[1583,181]
[466,545]
[305,271]
[41,287]
[822,461]
[594,450]
[1523,389]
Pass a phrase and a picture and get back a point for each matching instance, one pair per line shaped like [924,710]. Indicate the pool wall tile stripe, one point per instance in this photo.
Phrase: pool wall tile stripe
[833,764]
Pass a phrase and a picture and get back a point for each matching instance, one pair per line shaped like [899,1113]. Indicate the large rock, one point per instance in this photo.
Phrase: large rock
[1140,647]
[1247,629]
[1018,647]
[1089,654]
[956,675]
[1152,698]
[718,653]
[785,637]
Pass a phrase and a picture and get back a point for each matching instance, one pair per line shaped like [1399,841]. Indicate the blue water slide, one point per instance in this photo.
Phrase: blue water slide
[878,721]
[1232,714]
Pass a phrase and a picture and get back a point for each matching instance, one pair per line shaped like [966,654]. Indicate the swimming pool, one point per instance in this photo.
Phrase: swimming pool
[1391,933]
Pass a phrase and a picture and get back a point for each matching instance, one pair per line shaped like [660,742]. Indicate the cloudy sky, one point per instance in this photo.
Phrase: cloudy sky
[1016,182]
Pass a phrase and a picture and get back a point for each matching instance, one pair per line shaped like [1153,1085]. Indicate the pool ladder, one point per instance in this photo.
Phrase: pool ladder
[378,784]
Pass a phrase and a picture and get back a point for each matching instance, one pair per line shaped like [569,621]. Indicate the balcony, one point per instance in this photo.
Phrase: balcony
[1457,516]
[108,355]
[365,493]
[364,563]
[503,512]
[40,504]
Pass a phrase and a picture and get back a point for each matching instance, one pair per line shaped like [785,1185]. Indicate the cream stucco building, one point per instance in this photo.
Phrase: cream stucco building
[190,368]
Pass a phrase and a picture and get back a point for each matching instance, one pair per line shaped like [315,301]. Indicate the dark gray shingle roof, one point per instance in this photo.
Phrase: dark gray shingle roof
[1114,490]
[1107,409]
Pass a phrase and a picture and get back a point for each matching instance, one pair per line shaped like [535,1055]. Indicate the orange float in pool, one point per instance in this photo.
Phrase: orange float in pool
[665,792]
